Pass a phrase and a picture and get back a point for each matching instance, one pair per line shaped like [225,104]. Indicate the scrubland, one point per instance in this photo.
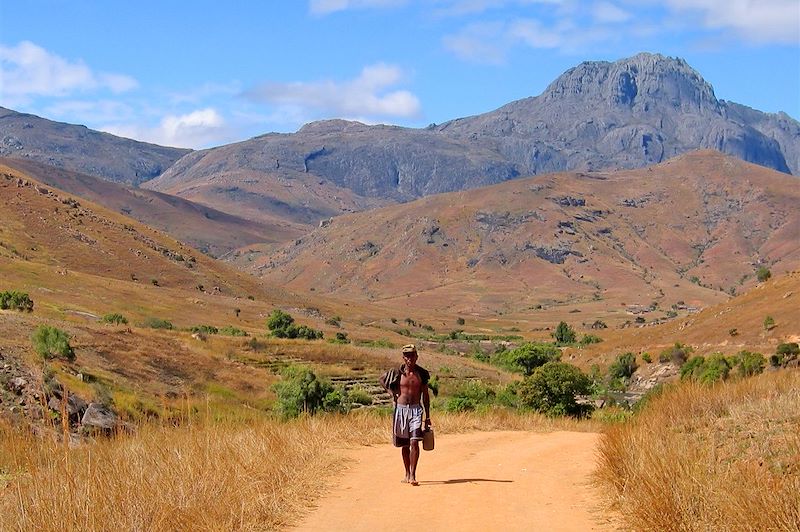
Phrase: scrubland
[722,457]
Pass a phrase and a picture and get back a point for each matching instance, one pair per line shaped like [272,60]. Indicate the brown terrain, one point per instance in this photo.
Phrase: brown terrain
[689,232]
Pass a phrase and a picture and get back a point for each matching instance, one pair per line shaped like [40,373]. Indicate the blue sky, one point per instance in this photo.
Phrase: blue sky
[200,73]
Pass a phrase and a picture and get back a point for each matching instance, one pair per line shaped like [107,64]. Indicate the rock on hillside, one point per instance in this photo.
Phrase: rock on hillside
[80,149]
[598,115]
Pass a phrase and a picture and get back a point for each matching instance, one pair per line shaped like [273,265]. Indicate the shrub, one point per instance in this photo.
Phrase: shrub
[460,321]
[623,367]
[692,367]
[115,318]
[158,323]
[676,354]
[14,300]
[706,370]
[335,321]
[300,391]
[647,358]
[50,342]
[358,395]
[564,334]
[763,274]
[599,324]
[204,329]
[552,389]
[785,353]
[341,338]
[527,357]
[769,323]
[279,320]
[590,339]
[749,364]
[229,330]
[469,396]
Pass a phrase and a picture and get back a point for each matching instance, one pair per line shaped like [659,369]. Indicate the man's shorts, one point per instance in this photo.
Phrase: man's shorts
[407,424]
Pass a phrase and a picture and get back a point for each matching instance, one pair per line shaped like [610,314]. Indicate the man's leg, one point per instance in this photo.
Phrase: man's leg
[407,463]
[413,459]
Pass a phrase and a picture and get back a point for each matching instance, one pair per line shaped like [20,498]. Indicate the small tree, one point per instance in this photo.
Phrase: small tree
[527,357]
[279,320]
[552,389]
[623,367]
[750,364]
[50,342]
[769,323]
[564,334]
[763,274]
[300,391]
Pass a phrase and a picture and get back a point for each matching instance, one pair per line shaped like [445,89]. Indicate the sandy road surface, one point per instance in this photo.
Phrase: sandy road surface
[481,481]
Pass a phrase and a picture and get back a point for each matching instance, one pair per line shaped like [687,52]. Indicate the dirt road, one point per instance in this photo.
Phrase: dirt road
[481,481]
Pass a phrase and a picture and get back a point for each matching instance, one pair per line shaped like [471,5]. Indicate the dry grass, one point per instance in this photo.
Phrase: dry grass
[209,476]
[710,458]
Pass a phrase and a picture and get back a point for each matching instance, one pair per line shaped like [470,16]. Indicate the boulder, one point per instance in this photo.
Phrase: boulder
[75,406]
[99,416]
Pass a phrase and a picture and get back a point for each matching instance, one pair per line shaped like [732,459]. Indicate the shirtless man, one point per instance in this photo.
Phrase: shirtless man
[408,385]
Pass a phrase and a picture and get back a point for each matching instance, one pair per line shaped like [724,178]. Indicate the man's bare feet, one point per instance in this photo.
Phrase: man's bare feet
[413,482]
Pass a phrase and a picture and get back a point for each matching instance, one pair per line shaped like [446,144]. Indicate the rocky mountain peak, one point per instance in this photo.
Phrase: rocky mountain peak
[639,81]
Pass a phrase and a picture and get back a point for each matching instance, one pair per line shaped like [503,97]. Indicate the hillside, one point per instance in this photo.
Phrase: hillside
[79,149]
[206,229]
[688,232]
[628,114]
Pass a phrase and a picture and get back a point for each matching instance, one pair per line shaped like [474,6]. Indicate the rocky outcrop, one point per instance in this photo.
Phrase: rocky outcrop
[77,148]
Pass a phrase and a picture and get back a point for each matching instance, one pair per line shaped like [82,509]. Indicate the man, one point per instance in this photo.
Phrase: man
[408,385]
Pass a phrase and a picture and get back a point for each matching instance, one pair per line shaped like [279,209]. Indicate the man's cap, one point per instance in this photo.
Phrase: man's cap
[409,348]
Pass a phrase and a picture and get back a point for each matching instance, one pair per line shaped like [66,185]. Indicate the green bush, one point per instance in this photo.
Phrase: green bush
[158,323]
[564,334]
[204,329]
[785,353]
[341,338]
[526,358]
[749,364]
[50,342]
[300,391]
[13,300]
[623,367]
[769,323]
[590,339]
[763,274]
[229,330]
[552,390]
[360,396]
[115,318]
[707,370]
[469,396]
[647,358]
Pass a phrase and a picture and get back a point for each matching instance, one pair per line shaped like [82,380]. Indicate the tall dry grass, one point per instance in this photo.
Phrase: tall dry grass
[212,476]
[722,458]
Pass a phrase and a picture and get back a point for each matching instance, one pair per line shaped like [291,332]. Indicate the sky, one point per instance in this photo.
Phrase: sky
[201,73]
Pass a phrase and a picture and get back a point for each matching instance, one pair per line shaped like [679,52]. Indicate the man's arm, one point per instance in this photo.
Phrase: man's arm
[426,403]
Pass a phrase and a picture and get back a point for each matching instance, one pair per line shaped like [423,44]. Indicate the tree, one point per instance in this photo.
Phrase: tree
[763,274]
[16,301]
[769,323]
[623,367]
[552,389]
[50,342]
[530,356]
[279,320]
[115,317]
[564,334]
[750,364]
[281,325]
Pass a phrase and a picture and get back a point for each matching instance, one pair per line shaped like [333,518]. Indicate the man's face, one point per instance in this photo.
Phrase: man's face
[410,359]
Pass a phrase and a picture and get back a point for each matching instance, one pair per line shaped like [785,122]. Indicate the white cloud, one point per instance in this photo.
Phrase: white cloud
[28,70]
[324,7]
[481,43]
[606,12]
[369,95]
[197,129]
[102,111]
[762,21]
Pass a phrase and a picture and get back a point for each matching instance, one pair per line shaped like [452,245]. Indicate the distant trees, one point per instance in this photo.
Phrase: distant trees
[50,342]
[527,357]
[281,325]
[13,300]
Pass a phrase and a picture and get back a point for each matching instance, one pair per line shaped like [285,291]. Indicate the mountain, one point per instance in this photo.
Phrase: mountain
[79,149]
[687,232]
[599,115]
[206,229]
